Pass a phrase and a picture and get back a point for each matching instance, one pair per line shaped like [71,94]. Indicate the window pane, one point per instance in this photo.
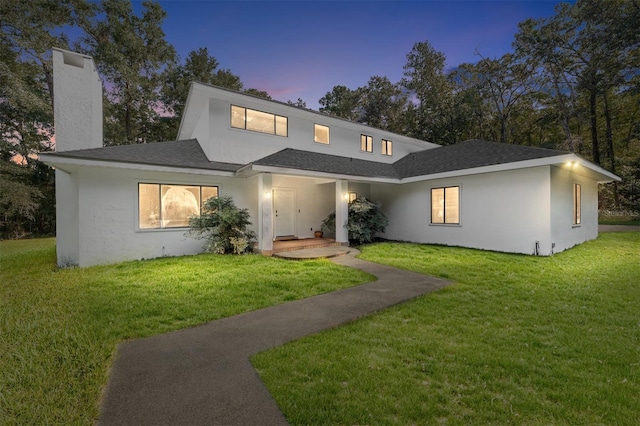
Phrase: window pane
[148,206]
[451,207]
[237,117]
[260,121]
[366,143]
[437,205]
[281,125]
[178,204]
[208,192]
[576,204]
[386,147]
[320,133]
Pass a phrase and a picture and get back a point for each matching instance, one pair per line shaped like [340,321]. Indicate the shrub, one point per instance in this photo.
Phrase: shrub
[365,220]
[224,226]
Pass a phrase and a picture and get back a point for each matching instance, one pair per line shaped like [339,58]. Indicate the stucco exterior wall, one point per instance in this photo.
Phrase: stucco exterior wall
[315,199]
[564,233]
[67,211]
[221,142]
[77,101]
[504,211]
[108,215]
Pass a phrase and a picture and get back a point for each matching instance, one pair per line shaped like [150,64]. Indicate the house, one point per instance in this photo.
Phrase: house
[291,167]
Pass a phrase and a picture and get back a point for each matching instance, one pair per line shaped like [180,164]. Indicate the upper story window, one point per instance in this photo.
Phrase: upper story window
[321,134]
[170,206]
[366,143]
[445,205]
[577,204]
[258,121]
[387,147]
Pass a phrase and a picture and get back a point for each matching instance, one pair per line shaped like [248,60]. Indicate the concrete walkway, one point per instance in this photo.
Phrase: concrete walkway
[618,228]
[202,375]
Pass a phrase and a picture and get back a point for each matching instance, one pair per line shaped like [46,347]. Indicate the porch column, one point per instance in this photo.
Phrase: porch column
[265,213]
[342,210]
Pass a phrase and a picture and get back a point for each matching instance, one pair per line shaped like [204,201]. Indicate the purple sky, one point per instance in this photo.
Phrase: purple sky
[302,49]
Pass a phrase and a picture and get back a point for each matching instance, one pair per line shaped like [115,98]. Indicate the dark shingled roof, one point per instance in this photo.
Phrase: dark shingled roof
[186,154]
[326,163]
[467,155]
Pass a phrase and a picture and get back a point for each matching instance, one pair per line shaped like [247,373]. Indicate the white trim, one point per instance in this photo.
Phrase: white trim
[62,162]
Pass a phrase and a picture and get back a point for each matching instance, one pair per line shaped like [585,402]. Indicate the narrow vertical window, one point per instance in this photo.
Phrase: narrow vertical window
[366,143]
[352,197]
[577,204]
[387,147]
[445,205]
[321,134]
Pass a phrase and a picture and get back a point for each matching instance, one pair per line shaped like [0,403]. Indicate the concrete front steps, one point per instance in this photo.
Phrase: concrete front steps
[309,248]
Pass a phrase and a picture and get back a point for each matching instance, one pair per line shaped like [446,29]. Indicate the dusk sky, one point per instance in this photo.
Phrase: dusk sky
[302,49]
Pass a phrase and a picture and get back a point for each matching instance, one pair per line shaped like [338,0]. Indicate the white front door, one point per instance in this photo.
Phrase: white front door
[284,209]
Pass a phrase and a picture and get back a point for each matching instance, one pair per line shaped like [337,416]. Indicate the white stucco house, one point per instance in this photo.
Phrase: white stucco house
[291,167]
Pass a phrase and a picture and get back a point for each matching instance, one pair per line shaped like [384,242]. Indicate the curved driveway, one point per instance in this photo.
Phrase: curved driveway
[202,375]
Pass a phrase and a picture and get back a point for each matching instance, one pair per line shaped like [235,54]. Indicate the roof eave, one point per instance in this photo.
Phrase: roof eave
[568,160]
[254,169]
[69,164]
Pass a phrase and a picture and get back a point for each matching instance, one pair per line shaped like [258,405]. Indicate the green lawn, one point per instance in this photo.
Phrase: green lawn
[59,328]
[517,340]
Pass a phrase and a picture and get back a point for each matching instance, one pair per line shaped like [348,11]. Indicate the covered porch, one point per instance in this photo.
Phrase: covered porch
[291,208]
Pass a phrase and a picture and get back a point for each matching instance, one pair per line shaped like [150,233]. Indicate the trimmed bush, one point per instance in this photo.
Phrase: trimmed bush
[365,220]
[224,226]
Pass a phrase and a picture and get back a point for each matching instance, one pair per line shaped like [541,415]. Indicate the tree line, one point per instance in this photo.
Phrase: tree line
[572,82]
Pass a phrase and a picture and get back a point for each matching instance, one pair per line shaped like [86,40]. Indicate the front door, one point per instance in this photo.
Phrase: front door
[284,206]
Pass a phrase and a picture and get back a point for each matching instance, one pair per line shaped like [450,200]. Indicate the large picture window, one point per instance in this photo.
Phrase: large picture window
[258,121]
[445,205]
[170,206]
[577,204]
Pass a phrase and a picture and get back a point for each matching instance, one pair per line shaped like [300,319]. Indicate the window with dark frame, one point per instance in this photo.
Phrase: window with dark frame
[445,205]
[163,206]
[258,121]
[366,143]
[387,147]
[577,204]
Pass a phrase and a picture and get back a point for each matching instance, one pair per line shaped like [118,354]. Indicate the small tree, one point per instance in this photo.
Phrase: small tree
[365,220]
[224,225]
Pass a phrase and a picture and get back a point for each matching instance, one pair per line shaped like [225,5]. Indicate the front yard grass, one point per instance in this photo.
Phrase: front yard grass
[59,328]
[516,340]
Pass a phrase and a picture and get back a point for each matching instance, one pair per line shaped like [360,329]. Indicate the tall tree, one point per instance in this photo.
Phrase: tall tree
[504,83]
[131,54]
[198,66]
[28,30]
[382,104]
[429,88]
[341,102]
